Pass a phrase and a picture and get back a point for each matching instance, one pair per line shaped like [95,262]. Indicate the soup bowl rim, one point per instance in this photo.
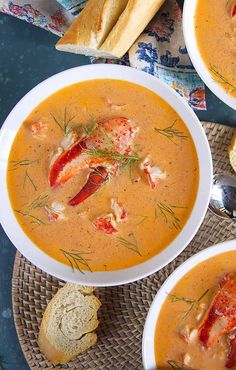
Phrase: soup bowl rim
[91,72]
[148,349]
[195,55]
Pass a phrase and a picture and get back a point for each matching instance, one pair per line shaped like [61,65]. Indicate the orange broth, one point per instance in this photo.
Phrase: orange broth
[147,229]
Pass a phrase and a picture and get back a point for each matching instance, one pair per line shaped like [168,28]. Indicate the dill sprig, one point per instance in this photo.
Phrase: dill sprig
[143,218]
[191,302]
[177,366]
[221,79]
[39,202]
[126,160]
[22,163]
[88,129]
[27,177]
[76,259]
[64,125]
[171,132]
[168,214]
[174,365]
[130,244]
[35,220]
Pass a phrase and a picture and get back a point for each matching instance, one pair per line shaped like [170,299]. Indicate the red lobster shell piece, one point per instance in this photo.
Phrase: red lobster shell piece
[116,133]
[221,317]
[95,179]
[233,11]
[66,165]
[232,354]
[106,223]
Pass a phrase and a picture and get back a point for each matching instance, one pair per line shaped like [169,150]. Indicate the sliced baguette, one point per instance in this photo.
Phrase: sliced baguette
[91,27]
[232,152]
[130,25]
[68,324]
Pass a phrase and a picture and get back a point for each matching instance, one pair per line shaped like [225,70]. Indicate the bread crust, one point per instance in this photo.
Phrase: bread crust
[232,152]
[130,25]
[91,27]
[72,307]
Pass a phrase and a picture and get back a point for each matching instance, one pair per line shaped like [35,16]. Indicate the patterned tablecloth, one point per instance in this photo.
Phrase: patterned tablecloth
[160,49]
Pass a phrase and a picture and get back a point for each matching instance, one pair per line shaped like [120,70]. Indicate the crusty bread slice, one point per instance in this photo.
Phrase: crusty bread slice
[130,25]
[68,324]
[91,27]
[232,152]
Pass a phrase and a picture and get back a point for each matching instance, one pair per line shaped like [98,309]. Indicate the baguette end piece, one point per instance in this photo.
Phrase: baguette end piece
[91,27]
[68,324]
[92,52]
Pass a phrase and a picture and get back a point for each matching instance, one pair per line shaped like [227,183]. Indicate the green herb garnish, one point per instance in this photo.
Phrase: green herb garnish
[126,160]
[22,163]
[39,202]
[221,79]
[142,219]
[171,132]
[174,365]
[191,302]
[177,366]
[76,259]
[130,244]
[64,124]
[88,130]
[27,177]
[35,220]
[168,214]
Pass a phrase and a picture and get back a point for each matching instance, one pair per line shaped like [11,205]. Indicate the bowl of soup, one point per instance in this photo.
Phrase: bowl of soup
[210,36]
[191,322]
[105,175]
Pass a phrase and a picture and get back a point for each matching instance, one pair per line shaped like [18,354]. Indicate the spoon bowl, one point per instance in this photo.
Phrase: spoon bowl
[223,196]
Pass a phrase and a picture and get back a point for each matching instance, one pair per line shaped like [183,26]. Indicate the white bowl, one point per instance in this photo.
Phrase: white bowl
[36,96]
[148,352]
[195,56]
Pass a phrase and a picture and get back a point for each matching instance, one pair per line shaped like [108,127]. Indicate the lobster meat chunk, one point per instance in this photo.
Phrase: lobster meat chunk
[95,179]
[55,212]
[39,129]
[154,174]
[94,153]
[106,223]
[221,317]
[119,210]
[233,10]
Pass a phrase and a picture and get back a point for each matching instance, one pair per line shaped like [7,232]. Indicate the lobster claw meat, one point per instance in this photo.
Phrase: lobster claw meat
[67,165]
[231,361]
[116,133]
[154,174]
[221,317]
[95,179]
[233,10]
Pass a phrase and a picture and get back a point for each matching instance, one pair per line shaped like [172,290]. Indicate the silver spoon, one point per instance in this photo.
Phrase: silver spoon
[223,196]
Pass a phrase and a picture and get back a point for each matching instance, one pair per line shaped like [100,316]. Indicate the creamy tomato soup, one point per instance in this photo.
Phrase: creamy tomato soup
[215,24]
[196,325]
[103,175]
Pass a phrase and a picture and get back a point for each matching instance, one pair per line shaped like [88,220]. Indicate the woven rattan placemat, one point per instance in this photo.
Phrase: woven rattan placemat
[124,308]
